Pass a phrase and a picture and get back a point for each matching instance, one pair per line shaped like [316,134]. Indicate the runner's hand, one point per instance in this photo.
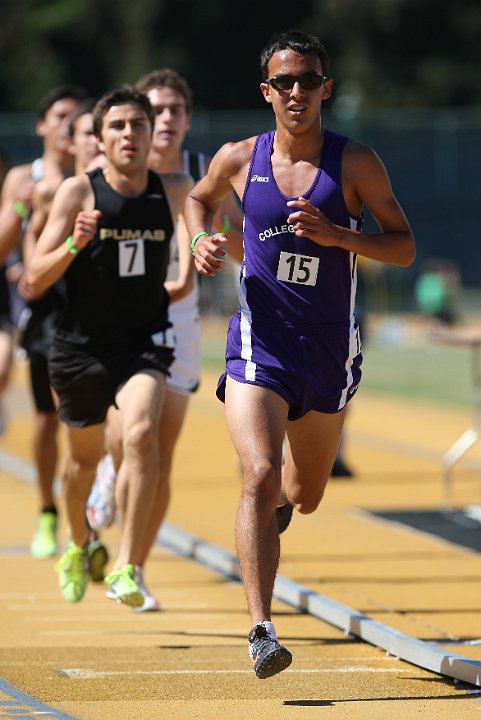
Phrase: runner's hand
[85,228]
[209,254]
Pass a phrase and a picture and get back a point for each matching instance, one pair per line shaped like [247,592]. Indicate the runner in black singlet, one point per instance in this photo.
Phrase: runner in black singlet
[108,235]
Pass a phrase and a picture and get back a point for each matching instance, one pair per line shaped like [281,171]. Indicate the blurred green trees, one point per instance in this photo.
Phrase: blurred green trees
[384,52]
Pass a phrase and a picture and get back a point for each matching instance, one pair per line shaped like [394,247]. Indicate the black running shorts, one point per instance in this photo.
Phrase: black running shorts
[87,382]
[40,383]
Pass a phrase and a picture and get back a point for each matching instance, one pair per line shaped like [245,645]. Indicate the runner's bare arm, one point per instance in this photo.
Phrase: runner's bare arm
[72,214]
[181,287]
[230,214]
[227,171]
[42,199]
[365,182]
[178,185]
[229,220]
[15,201]
[41,202]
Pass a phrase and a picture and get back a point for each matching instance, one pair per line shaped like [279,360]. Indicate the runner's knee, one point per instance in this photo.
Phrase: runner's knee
[307,501]
[262,481]
[140,437]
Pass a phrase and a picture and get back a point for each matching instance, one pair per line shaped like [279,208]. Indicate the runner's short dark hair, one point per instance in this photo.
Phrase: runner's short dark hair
[121,96]
[166,77]
[301,42]
[61,92]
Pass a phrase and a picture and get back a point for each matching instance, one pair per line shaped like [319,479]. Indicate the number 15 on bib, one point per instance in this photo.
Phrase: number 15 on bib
[300,269]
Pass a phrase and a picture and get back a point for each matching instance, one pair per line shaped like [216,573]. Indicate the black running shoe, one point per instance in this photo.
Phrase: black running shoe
[284,516]
[268,657]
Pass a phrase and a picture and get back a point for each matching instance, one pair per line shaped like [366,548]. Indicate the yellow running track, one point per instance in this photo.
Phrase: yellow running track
[100,661]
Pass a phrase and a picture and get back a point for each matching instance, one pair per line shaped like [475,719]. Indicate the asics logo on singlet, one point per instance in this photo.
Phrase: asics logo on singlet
[259,178]
[129,234]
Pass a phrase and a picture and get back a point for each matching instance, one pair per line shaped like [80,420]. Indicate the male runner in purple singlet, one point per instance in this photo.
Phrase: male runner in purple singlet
[293,353]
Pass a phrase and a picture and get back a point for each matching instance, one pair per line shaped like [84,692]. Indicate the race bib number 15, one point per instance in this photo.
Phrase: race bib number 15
[300,269]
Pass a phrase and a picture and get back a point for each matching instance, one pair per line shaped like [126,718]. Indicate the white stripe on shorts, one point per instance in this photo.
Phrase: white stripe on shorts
[246,346]
[354,341]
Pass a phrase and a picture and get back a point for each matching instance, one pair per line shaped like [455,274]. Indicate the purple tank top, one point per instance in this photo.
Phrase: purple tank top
[288,279]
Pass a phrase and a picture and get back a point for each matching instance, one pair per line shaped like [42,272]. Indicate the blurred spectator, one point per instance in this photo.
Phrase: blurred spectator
[437,289]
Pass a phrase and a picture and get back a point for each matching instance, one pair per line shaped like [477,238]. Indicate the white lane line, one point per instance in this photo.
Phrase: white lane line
[120,661]
[28,595]
[68,633]
[82,620]
[87,674]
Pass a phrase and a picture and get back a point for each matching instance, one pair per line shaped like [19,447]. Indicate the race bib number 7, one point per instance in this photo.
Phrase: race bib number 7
[301,269]
[131,258]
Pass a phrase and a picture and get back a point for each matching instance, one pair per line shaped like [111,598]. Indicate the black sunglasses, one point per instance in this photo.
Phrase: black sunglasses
[307,81]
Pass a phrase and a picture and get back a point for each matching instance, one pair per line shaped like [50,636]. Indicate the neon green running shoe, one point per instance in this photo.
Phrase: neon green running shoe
[44,542]
[98,559]
[123,588]
[72,571]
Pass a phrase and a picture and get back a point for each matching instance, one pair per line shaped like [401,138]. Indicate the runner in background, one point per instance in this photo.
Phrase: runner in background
[171,98]
[108,235]
[84,148]
[37,322]
[6,319]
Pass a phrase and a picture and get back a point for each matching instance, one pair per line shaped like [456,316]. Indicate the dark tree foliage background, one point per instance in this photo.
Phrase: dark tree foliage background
[386,53]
